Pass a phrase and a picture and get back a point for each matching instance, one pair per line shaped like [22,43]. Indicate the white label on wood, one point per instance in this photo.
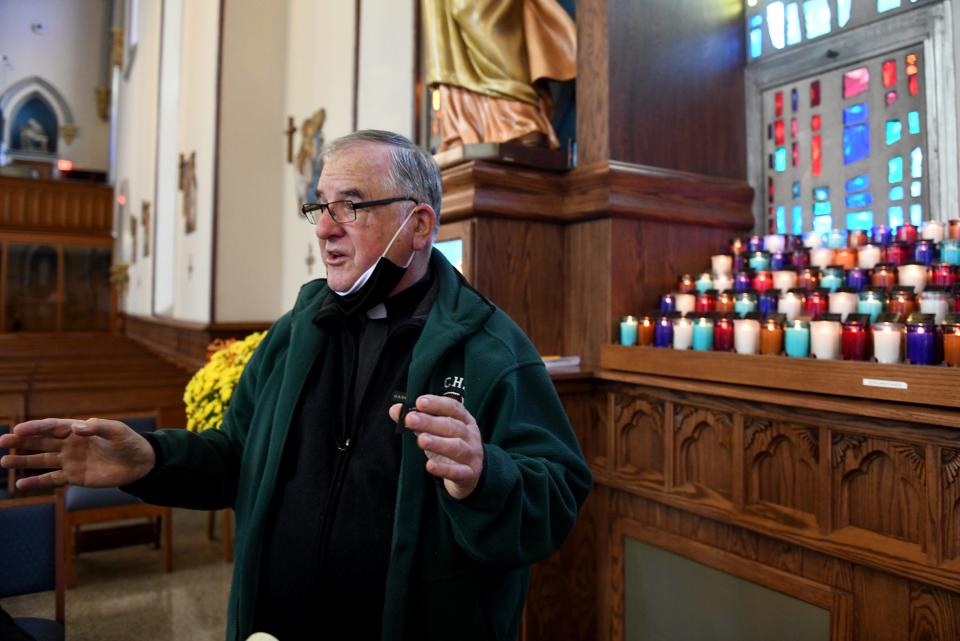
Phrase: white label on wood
[879,382]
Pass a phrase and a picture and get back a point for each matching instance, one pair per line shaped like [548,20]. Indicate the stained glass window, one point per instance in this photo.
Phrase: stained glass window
[777,25]
[852,156]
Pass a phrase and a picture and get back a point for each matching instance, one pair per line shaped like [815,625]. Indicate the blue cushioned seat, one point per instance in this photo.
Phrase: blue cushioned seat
[41,629]
[84,498]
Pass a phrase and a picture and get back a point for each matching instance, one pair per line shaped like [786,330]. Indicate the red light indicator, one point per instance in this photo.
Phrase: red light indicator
[65,165]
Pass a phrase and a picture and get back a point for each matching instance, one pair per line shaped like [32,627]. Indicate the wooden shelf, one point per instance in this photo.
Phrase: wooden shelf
[925,385]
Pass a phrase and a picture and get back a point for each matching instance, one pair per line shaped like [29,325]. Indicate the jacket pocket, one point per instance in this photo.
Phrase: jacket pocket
[453,607]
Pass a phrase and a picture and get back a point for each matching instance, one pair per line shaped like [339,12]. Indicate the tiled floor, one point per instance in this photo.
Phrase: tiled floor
[124,594]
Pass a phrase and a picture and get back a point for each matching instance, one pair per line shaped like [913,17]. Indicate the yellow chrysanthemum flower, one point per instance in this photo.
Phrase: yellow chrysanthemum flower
[208,393]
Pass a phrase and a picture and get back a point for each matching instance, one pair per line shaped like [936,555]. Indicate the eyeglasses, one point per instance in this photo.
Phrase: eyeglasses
[345,211]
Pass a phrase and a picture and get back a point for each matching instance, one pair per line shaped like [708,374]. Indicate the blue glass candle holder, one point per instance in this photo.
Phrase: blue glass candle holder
[742,281]
[745,302]
[755,244]
[871,302]
[704,282]
[837,239]
[703,334]
[881,235]
[663,332]
[797,339]
[628,330]
[857,278]
[668,303]
[759,261]
[921,340]
[832,278]
[739,263]
[768,301]
[778,260]
[950,251]
[924,251]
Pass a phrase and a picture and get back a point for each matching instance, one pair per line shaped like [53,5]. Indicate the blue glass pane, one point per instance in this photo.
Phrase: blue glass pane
[916,189]
[775,24]
[895,170]
[816,15]
[860,220]
[916,214]
[895,216]
[822,224]
[797,220]
[794,100]
[887,5]
[756,42]
[756,21]
[781,220]
[843,12]
[856,143]
[793,29]
[796,190]
[821,194]
[822,209]
[856,201]
[858,183]
[780,159]
[916,163]
[896,193]
[913,122]
[894,131]
[856,114]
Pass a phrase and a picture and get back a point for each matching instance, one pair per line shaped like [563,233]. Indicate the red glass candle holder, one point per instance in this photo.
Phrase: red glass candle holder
[884,275]
[771,337]
[907,233]
[808,278]
[902,301]
[725,303]
[816,303]
[855,340]
[857,238]
[951,343]
[943,274]
[846,257]
[706,302]
[686,284]
[723,334]
[645,329]
[738,246]
[898,253]
[762,281]
[953,229]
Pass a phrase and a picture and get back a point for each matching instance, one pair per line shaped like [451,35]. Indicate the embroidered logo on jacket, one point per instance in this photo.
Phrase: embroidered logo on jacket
[454,387]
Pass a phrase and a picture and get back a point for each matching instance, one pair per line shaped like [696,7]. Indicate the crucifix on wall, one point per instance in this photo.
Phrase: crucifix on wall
[310,260]
[289,131]
[145,222]
[133,236]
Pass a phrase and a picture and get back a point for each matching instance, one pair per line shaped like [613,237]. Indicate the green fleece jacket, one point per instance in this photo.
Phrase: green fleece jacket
[458,569]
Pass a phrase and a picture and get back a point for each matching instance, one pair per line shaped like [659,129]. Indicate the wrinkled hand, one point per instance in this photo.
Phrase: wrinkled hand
[450,438]
[91,453]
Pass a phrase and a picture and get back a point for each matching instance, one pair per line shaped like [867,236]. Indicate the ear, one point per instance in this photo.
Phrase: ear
[425,219]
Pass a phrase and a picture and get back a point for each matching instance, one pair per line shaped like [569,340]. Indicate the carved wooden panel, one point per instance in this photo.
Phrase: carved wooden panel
[639,429]
[55,206]
[879,486]
[950,484]
[781,460]
[587,411]
[704,449]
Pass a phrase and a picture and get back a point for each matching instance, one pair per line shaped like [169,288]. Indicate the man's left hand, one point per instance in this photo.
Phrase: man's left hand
[449,436]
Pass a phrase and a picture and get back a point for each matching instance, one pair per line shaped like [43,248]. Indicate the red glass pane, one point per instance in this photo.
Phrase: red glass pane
[912,70]
[911,58]
[815,122]
[772,218]
[815,93]
[794,129]
[914,85]
[889,73]
[778,132]
[891,97]
[856,82]
[796,154]
[816,160]
[778,101]
[770,191]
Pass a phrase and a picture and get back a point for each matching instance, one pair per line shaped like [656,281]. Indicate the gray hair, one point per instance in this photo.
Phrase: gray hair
[412,170]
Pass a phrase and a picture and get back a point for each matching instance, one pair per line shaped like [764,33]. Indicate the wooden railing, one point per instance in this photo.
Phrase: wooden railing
[55,206]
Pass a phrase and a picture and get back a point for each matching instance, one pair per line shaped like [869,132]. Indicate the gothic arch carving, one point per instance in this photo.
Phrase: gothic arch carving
[25,89]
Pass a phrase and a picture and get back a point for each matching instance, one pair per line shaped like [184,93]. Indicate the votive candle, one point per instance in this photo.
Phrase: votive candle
[933,230]
[668,303]
[950,251]
[645,329]
[951,343]
[857,278]
[836,239]
[785,279]
[816,303]
[943,274]
[746,335]
[809,278]
[742,281]
[755,244]
[685,283]
[812,240]
[797,339]
[771,337]
[759,261]
[912,275]
[706,302]
[857,238]
[884,275]
[825,339]
[721,263]
[869,255]
[704,282]
[907,233]
[843,302]
[933,300]
[663,332]
[628,330]
[682,333]
[821,257]
[762,281]
[685,303]
[791,304]
[767,301]
[924,252]
[953,229]
[881,235]
[737,246]
[723,334]
[855,339]
[870,302]
[722,282]
[778,260]
[846,257]
[800,257]
[888,342]
[703,334]
[774,242]
[832,278]
[921,342]
[902,301]
[897,253]
[745,303]
[725,303]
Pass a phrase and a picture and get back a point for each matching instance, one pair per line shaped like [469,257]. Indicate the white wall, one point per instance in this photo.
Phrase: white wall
[67,53]
[386,66]
[136,158]
[252,156]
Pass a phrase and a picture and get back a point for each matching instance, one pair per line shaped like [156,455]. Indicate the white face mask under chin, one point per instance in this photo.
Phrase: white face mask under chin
[365,276]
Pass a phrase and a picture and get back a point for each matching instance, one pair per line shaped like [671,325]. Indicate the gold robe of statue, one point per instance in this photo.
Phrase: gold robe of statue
[486,56]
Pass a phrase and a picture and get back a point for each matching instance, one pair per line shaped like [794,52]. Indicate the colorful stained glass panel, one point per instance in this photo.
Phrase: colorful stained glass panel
[891,98]
[815,93]
[778,132]
[797,221]
[843,12]
[916,214]
[858,183]
[913,122]
[776,24]
[780,159]
[822,224]
[895,170]
[887,5]
[856,82]
[860,220]
[856,143]
[896,193]
[781,220]
[857,201]
[894,131]
[856,114]
[793,25]
[916,163]
[821,194]
[816,16]
[889,73]
[916,189]
[822,209]
[895,216]
[796,190]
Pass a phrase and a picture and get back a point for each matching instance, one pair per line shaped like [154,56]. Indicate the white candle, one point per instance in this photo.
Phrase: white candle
[812,239]
[932,230]
[825,339]
[722,264]
[843,303]
[682,333]
[913,275]
[746,335]
[821,257]
[684,303]
[791,305]
[784,279]
[888,342]
[774,243]
[869,256]
[934,304]
[722,282]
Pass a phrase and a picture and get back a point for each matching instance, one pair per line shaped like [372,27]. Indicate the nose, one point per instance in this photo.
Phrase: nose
[326,227]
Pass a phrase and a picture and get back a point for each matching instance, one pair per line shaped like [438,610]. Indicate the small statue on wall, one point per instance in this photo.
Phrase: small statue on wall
[133,236]
[145,222]
[310,156]
[188,185]
[32,136]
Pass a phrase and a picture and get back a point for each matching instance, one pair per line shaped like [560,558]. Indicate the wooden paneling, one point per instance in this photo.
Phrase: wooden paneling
[587,294]
[55,206]
[593,84]
[676,85]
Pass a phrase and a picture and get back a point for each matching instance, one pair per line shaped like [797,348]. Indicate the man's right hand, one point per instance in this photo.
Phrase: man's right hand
[91,453]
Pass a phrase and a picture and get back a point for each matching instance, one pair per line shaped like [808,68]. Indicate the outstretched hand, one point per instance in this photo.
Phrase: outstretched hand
[91,453]
[449,436]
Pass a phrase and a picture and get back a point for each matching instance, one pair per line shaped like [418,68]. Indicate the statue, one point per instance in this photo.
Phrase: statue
[487,58]
[33,137]
[188,185]
[310,156]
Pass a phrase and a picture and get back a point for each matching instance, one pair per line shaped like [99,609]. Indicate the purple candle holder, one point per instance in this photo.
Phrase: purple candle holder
[767,304]
[739,262]
[778,260]
[663,332]
[882,235]
[755,244]
[921,342]
[742,281]
[668,303]
[924,251]
[857,278]
[800,257]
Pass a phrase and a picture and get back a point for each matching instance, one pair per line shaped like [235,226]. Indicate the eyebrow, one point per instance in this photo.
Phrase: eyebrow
[353,192]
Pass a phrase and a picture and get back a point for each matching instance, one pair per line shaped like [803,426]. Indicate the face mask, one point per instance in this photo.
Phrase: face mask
[373,285]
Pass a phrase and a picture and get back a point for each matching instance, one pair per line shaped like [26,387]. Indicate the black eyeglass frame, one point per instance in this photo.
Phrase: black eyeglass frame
[307,209]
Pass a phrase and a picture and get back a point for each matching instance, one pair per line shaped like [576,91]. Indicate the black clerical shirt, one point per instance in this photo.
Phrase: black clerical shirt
[327,545]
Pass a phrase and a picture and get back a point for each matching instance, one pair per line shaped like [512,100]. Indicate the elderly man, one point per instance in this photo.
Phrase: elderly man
[395,452]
